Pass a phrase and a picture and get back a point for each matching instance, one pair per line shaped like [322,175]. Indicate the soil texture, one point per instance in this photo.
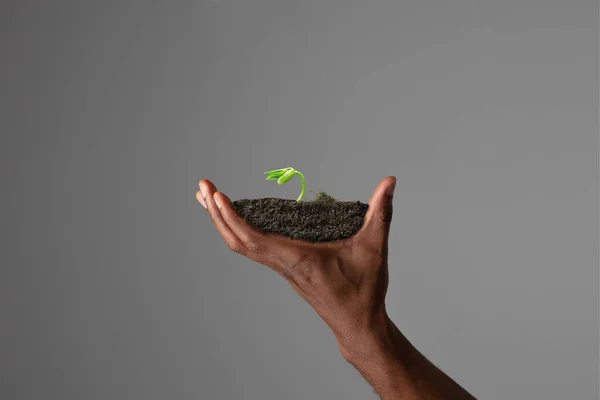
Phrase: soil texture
[313,221]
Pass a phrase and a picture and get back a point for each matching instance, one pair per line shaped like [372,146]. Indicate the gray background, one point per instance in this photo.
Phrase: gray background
[114,284]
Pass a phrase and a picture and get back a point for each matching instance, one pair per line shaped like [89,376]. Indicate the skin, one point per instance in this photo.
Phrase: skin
[346,283]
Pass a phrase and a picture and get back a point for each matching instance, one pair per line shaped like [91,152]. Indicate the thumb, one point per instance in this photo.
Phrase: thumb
[376,226]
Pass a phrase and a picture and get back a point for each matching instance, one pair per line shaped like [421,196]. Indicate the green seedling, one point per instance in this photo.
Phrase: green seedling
[284,175]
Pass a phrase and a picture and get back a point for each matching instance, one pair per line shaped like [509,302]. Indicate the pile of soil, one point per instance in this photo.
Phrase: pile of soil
[314,221]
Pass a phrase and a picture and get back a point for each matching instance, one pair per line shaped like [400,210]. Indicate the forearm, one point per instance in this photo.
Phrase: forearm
[396,370]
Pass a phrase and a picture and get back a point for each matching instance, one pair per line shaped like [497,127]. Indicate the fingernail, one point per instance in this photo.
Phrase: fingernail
[218,201]
[203,191]
[390,189]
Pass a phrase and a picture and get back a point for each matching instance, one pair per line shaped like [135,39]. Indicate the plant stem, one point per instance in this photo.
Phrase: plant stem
[303,185]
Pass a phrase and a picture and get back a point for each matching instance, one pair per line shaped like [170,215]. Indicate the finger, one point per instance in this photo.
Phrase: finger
[278,253]
[254,240]
[376,226]
[285,256]
[200,198]
[208,189]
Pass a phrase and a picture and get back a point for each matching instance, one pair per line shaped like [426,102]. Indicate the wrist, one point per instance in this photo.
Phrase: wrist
[380,343]
[374,339]
[385,358]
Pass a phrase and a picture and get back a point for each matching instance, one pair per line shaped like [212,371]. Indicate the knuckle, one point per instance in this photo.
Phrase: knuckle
[307,275]
[235,247]
[307,271]
[315,276]
[303,277]
[255,246]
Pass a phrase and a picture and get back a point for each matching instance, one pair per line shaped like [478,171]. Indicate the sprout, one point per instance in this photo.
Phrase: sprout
[284,175]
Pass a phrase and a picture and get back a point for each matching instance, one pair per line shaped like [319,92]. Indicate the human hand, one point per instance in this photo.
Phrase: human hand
[344,281]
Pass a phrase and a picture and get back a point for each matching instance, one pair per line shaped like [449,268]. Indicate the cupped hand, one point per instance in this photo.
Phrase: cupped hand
[344,281]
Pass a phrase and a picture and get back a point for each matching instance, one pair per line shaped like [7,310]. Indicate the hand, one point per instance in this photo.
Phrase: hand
[344,281]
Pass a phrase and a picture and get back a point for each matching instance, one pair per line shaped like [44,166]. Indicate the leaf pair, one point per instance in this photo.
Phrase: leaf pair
[285,174]
[281,175]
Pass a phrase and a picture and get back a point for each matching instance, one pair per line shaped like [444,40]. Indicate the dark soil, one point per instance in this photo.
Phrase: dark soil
[314,221]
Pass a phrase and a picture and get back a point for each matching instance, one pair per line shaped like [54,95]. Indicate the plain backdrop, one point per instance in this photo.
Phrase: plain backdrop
[115,285]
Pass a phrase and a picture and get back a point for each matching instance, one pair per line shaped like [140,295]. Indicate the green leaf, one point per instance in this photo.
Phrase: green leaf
[272,177]
[287,176]
[276,171]
[277,174]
